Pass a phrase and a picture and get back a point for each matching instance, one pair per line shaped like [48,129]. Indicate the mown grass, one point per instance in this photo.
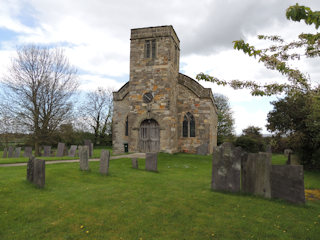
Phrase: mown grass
[175,203]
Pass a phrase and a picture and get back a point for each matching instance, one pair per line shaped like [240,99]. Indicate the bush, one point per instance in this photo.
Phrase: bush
[250,144]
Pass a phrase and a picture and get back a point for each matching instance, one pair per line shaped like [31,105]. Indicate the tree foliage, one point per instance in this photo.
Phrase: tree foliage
[251,139]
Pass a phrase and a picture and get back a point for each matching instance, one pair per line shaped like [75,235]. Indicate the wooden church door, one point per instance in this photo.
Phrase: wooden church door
[149,136]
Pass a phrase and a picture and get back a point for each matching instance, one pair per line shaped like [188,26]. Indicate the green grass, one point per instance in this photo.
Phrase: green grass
[175,203]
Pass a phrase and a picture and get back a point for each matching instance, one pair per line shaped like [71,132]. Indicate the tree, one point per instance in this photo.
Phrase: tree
[98,109]
[251,139]
[38,90]
[225,119]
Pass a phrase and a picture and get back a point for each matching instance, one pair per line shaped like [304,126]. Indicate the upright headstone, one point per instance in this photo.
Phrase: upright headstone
[47,151]
[287,151]
[287,183]
[268,148]
[202,149]
[30,167]
[134,163]
[226,166]
[5,153]
[17,152]
[60,149]
[255,174]
[72,151]
[27,152]
[84,158]
[10,152]
[39,172]
[88,143]
[91,149]
[104,162]
[152,162]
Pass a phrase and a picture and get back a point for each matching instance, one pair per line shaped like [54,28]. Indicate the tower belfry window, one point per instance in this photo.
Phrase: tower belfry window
[150,48]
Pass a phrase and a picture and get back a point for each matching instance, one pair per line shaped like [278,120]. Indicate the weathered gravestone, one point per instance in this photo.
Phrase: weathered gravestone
[104,162]
[4,153]
[60,149]
[17,152]
[268,148]
[36,171]
[152,162]
[27,152]
[134,163]
[10,152]
[287,183]
[255,174]
[226,166]
[88,143]
[286,152]
[30,169]
[84,158]
[72,151]
[47,151]
[202,149]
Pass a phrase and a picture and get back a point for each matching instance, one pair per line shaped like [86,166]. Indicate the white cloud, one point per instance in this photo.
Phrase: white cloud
[92,82]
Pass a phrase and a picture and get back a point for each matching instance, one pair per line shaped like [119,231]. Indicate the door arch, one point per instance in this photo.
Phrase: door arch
[149,136]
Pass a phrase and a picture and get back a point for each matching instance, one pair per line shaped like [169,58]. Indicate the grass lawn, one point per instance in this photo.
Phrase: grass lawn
[175,203]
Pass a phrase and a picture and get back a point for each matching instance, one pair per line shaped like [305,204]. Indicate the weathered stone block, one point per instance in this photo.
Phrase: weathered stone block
[72,151]
[202,149]
[152,162]
[10,152]
[5,153]
[255,174]
[46,151]
[226,166]
[88,143]
[39,173]
[17,152]
[30,168]
[60,149]
[287,182]
[104,162]
[134,163]
[84,158]
[27,152]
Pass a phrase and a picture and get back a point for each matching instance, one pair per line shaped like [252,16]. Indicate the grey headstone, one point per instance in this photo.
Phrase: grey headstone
[84,158]
[152,162]
[104,162]
[27,152]
[287,151]
[10,152]
[47,151]
[5,153]
[30,168]
[287,183]
[268,148]
[17,152]
[88,143]
[226,166]
[72,151]
[60,149]
[202,149]
[134,163]
[39,172]
[91,149]
[255,174]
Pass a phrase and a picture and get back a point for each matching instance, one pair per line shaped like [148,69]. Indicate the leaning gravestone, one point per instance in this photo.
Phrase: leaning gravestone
[17,152]
[152,162]
[88,143]
[226,165]
[30,167]
[47,151]
[104,162]
[84,158]
[287,183]
[60,149]
[202,149]
[134,163]
[255,174]
[10,152]
[4,153]
[27,152]
[39,172]
[72,151]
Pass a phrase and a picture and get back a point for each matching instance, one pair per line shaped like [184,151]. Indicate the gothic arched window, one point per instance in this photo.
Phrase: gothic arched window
[188,126]
[127,127]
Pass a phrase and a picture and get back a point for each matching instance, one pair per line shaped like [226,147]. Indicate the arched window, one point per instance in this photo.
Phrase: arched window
[188,126]
[127,127]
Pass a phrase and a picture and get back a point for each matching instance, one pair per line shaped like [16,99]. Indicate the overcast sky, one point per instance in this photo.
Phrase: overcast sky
[96,37]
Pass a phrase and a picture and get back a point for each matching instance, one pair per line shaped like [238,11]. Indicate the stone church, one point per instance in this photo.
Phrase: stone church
[160,109]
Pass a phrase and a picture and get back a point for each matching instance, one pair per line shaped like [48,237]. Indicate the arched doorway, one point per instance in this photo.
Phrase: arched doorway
[149,136]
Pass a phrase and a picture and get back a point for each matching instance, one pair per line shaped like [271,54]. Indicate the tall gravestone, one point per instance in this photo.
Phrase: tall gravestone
[152,162]
[60,149]
[39,172]
[104,162]
[30,165]
[5,152]
[72,151]
[255,174]
[202,149]
[27,152]
[17,152]
[287,183]
[135,163]
[88,143]
[84,158]
[10,152]
[226,166]
[47,151]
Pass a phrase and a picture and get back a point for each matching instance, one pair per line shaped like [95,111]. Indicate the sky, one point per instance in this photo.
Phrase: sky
[96,37]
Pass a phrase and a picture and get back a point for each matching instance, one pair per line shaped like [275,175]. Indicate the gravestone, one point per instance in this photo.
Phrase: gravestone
[60,149]
[30,167]
[134,163]
[226,166]
[88,143]
[5,152]
[202,149]
[39,172]
[287,183]
[47,151]
[287,151]
[10,152]
[84,158]
[17,152]
[268,148]
[27,152]
[72,151]
[152,162]
[255,174]
[104,162]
